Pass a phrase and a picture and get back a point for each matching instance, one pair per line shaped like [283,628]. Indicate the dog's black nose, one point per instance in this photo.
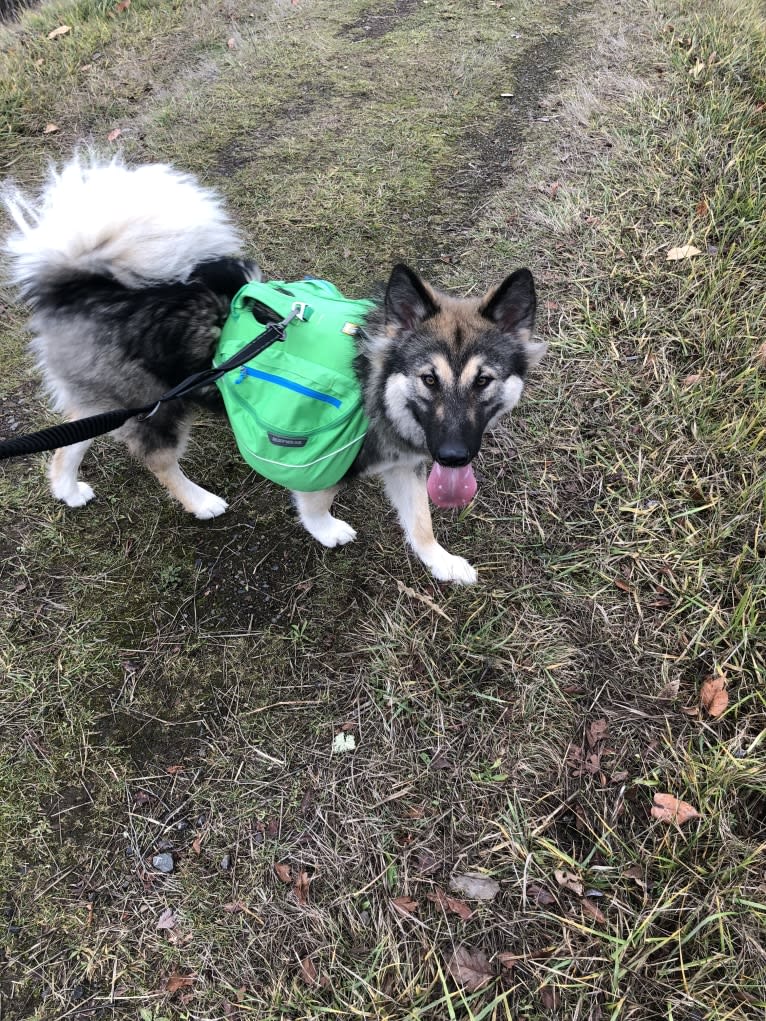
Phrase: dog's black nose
[453,455]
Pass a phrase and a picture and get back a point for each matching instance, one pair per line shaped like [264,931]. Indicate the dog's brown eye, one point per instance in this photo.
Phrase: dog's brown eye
[482,382]
[429,379]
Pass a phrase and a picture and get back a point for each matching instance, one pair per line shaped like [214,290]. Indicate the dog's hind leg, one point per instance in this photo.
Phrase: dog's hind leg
[62,473]
[314,512]
[406,489]
[159,442]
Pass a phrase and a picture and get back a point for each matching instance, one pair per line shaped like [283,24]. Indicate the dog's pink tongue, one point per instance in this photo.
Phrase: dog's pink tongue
[451,487]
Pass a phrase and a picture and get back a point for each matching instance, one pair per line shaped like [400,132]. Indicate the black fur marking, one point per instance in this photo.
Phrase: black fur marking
[171,329]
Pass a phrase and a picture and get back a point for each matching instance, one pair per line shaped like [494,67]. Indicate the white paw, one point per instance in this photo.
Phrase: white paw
[332,531]
[446,567]
[207,505]
[73,495]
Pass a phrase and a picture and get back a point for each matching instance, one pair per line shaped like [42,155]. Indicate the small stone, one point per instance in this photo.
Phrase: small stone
[226,862]
[163,862]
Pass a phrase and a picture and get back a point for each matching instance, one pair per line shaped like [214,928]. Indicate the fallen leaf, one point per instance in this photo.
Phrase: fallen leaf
[550,997]
[702,207]
[553,189]
[235,907]
[50,128]
[669,809]
[112,137]
[310,974]
[170,770]
[636,873]
[447,903]
[539,895]
[596,731]
[509,961]
[61,30]
[670,690]
[404,905]
[197,844]
[284,873]
[231,43]
[469,968]
[343,743]
[591,909]
[684,252]
[301,887]
[422,598]
[122,6]
[713,695]
[569,881]
[475,885]
[760,355]
[622,585]
[167,919]
[178,981]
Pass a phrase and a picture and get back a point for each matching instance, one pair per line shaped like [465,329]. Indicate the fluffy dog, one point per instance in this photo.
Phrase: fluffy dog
[130,272]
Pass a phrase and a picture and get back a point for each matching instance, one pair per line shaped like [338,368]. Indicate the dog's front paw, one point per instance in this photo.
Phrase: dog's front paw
[446,567]
[75,494]
[207,505]
[332,531]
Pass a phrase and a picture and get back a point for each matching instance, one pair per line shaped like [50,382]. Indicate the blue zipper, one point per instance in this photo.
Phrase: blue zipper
[288,384]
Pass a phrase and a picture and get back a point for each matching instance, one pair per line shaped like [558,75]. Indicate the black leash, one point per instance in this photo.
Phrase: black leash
[96,425]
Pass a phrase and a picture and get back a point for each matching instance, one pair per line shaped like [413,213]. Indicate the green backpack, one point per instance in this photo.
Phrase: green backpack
[296,408]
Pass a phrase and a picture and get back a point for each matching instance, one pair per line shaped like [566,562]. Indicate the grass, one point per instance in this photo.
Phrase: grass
[171,685]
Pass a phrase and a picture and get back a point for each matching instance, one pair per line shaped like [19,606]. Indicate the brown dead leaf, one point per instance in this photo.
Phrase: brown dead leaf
[112,137]
[569,881]
[167,919]
[178,981]
[702,207]
[553,189]
[404,905]
[475,885]
[509,961]
[691,379]
[284,873]
[636,873]
[235,907]
[447,903]
[197,844]
[713,695]
[550,997]
[597,731]
[122,6]
[61,30]
[760,355]
[301,887]
[591,909]
[469,968]
[668,808]
[622,585]
[170,770]
[310,974]
[539,895]
[683,252]
[50,128]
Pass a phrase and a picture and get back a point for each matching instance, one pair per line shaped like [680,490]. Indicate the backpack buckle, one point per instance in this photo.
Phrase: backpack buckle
[302,310]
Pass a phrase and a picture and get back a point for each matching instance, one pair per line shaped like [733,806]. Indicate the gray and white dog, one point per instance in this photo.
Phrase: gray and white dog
[130,272]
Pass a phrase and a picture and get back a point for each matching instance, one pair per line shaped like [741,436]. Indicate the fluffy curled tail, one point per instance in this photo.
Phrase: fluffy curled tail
[142,225]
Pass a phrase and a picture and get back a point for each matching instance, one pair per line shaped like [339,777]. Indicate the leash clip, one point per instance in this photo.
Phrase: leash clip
[155,409]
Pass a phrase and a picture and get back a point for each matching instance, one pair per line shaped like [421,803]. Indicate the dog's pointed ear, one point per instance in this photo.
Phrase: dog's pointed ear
[409,300]
[511,306]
